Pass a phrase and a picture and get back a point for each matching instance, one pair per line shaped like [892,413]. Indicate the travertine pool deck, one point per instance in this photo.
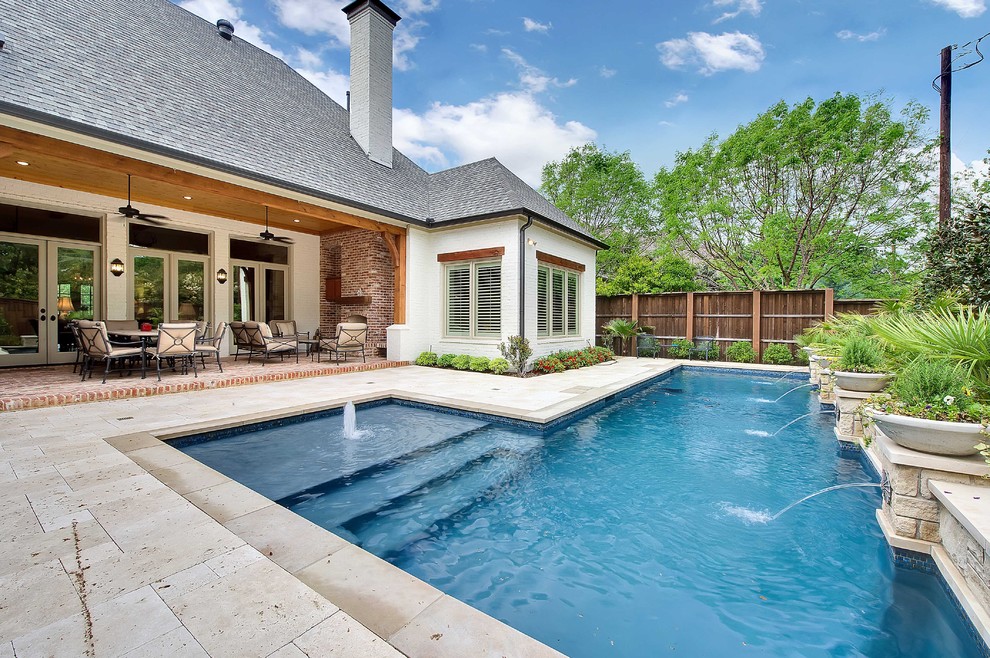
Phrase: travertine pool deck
[113,543]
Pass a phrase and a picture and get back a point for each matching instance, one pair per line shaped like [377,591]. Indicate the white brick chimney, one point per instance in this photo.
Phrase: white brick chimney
[371,77]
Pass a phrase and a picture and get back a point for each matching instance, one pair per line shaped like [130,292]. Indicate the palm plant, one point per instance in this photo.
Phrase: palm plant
[961,336]
[622,329]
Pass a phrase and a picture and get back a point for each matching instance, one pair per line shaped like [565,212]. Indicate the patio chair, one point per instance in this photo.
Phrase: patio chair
[127,325]
[213,346]
[242,342]
[176,340]
[702,347]
[287,329]
[96,346]
[77,337]
[351,338]
[263,343]
[647,344]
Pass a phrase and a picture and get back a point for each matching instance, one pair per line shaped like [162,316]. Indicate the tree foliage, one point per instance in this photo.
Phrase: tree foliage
[651,274]
[805,196]
[607,194]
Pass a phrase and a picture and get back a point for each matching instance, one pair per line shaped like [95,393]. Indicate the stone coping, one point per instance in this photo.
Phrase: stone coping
[901,456]
[964,595]
[970,504]
[906,543]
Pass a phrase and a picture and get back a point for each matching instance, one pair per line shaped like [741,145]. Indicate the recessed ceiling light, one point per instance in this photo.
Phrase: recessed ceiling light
[187,198]
[22,163]
[296,221]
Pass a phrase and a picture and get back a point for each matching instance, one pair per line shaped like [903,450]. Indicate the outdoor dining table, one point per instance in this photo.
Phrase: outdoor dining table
[144,337]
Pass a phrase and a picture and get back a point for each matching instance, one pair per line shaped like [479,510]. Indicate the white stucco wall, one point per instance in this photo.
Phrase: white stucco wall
[304,255]
[424,280]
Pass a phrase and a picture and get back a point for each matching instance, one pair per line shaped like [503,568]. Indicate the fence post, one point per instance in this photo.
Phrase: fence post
[635,318]
[829,303]
[757,323]
[689,319]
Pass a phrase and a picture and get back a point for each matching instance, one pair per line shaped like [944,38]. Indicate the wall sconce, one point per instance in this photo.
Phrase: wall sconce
[221,275]
[531,242]
[116,267]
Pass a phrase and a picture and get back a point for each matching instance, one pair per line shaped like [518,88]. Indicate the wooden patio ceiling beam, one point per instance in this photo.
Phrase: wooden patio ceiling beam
[18,139]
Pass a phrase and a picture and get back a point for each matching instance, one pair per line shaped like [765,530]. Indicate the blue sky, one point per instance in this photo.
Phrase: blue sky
[526,81]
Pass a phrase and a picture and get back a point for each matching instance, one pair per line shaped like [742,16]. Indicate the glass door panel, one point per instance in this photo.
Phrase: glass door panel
[190,287]
[244,293]
[23,321]
[73,292]
[274,295]
[149,289]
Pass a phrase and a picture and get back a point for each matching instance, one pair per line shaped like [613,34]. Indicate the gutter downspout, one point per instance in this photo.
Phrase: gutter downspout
[522,275]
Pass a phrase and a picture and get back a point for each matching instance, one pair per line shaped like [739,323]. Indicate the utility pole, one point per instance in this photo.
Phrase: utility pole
[945,152]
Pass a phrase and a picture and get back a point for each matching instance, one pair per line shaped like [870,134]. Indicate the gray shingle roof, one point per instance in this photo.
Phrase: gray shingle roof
[150,73]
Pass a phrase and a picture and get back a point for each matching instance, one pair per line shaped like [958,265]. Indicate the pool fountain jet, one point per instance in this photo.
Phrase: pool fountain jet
[792,390]
[753,516]
[825,490]
[350,423]
[810,413]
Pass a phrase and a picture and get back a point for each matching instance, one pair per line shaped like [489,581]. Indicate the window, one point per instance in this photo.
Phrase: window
[473,300]
[557,295]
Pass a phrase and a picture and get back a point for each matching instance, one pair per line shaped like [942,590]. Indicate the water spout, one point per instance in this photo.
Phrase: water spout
[811,413]
[825,490]
[350,423]
[792,390]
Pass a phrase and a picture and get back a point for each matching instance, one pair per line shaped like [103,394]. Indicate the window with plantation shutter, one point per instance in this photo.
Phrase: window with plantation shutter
[557,303]
[473,300]
[459,300]
[488,284]
[572,304]
[558,294]
[542,301]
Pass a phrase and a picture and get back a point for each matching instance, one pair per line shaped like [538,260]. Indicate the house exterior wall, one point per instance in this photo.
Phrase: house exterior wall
[304,254]
[425,287]
[364,265]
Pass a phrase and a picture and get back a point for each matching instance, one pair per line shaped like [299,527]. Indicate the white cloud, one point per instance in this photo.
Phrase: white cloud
[738,7]
[534,26]
[411,7]
[531,78]
[665,124]
[712,53]
[606,72]
[330,82]
[978,169]
[965,8]
[513,127]
[480,47]
[676,99]
[214,10]
[870,36]
[315,17]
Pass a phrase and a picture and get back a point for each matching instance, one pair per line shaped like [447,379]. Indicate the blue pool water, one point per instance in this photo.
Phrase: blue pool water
[640,530]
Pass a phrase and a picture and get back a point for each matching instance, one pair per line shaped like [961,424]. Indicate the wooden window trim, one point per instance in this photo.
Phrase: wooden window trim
[473,254]
[544,257]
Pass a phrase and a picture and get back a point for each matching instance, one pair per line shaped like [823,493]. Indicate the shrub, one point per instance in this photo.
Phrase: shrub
[777,354]
[548,364]
[801,357]
[480,363]
[680,348]
[517,352]
[860,354]
[601,354]
[461,362]
[446,360]
[498,365]
[427,359]
[932,389]
[741,352]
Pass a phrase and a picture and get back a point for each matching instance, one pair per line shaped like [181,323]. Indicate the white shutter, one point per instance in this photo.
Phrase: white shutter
[459,301]
[572,304]
[542,301]
[488,285]
[557,303]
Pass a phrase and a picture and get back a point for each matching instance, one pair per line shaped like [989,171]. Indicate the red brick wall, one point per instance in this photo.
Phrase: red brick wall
[364,265]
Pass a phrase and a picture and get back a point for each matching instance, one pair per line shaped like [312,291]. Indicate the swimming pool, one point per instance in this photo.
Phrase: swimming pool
[638,530]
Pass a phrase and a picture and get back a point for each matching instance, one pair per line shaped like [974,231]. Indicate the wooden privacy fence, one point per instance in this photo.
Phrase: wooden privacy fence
[758,316]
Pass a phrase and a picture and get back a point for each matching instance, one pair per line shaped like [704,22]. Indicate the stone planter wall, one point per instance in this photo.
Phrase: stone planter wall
[848,420]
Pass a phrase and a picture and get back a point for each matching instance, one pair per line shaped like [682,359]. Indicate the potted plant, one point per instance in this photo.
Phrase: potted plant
[931,409]
[860,366]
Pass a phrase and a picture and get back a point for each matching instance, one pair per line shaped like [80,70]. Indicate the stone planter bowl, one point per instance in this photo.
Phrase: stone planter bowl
[863,382]
[936,437]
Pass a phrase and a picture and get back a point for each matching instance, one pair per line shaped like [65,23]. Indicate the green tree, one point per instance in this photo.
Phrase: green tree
[659,273]
[607,194]
[805,195]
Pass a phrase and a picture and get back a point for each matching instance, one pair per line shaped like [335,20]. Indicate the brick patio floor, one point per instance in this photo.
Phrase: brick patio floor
[48,386]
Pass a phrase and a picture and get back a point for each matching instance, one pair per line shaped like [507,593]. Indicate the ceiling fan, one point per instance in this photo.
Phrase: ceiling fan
[130,212]
[268,235]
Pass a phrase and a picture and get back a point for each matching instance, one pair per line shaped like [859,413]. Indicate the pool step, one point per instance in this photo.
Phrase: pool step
[339,501]
[411,517]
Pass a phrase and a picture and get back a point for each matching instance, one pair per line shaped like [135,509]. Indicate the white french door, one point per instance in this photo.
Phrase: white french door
[45,284]
[259,291]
